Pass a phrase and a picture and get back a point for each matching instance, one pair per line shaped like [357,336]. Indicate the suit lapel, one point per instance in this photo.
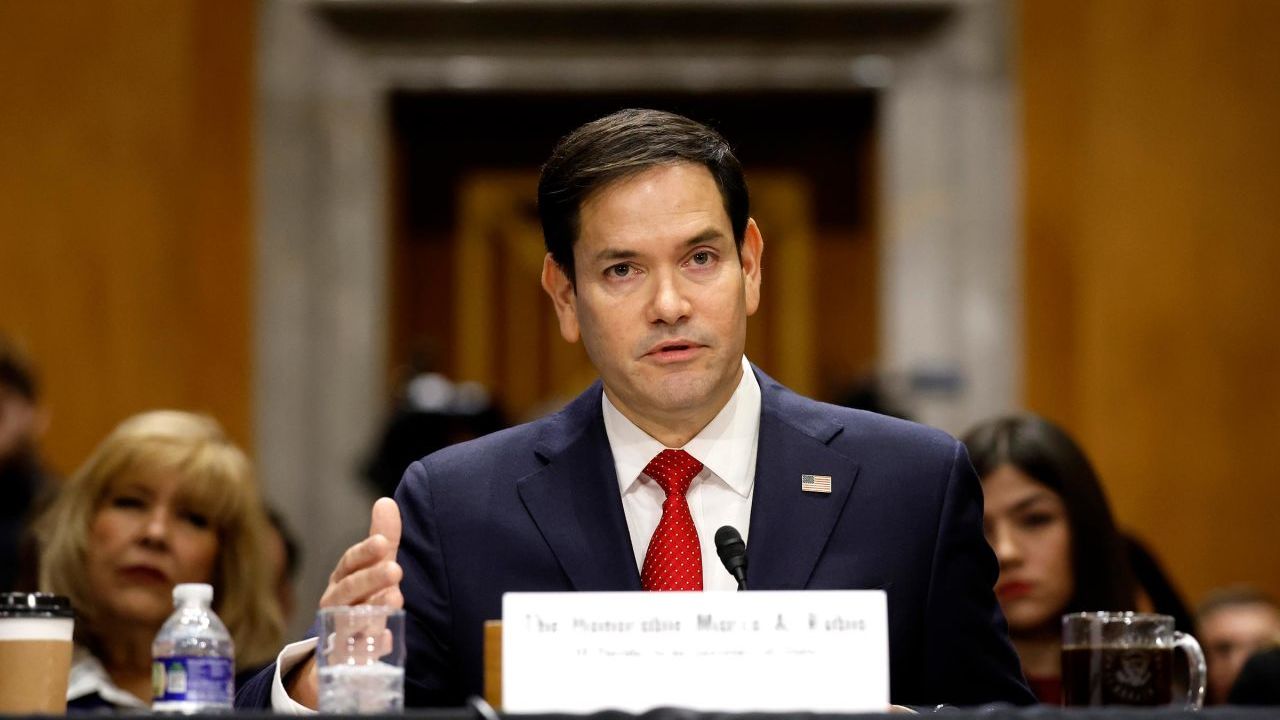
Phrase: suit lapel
[790,527]
[574,499]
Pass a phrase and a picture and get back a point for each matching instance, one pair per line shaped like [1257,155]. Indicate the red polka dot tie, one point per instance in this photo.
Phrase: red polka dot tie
[674,558]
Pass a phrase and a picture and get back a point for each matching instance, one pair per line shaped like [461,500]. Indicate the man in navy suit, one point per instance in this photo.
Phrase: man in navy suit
[654,264]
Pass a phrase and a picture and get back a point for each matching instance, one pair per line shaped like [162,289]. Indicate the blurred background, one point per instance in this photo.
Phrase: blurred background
[311,217]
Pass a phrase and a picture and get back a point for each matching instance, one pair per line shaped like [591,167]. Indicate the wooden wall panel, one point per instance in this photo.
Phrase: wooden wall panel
[125,208]
[1152,196]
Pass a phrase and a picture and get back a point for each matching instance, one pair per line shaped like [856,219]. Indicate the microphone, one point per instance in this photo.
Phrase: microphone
[733,553]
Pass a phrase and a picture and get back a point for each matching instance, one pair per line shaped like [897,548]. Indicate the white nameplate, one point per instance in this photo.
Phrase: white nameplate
[821,651]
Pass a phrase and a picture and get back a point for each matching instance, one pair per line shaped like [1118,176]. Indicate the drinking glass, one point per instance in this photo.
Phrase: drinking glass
[360,654]
[1126,658]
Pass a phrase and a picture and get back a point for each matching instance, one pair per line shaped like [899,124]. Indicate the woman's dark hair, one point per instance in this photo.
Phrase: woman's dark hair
[1149,576]
[620,145]
[1046,454]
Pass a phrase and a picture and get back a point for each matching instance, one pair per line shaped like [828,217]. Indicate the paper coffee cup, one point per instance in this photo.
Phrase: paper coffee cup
[35,652]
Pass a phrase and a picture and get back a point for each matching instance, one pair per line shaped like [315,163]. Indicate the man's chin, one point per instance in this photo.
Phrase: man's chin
[686,394]
[676,390]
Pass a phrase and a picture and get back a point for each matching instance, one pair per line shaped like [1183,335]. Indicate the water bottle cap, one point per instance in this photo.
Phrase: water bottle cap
[184,593]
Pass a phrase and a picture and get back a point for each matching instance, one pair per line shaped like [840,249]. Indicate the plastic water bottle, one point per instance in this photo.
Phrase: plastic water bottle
[193,659]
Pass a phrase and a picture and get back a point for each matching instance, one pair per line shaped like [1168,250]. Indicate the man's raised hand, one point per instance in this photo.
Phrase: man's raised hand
[367,573]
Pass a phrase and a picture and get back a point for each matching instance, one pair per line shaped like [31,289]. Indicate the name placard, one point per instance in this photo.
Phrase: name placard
[821,651]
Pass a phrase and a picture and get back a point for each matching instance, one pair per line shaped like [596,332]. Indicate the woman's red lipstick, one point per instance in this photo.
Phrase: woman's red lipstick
[144,574]
[1013,590]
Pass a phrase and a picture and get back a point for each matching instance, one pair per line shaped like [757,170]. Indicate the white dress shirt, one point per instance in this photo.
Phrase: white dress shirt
[719,495]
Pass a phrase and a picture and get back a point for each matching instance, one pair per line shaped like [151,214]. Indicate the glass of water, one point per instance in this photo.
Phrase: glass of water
[360,654]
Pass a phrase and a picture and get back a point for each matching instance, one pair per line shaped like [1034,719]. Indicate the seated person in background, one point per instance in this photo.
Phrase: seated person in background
[166,498]
[283,558]
[285,561]
[1232,624]
[432,413]
[24,483]
[1048,521]
[1259,680]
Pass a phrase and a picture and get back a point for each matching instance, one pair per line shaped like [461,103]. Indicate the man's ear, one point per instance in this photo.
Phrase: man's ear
[563,297]
[752,250]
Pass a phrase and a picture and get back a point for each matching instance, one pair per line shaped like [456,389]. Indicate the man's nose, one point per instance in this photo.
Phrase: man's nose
[669,303]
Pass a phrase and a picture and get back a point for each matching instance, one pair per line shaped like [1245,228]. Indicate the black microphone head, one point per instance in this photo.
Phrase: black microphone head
[730,547]
[727,534]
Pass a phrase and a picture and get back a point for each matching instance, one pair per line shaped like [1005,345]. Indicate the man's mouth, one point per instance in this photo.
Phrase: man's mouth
[674,351]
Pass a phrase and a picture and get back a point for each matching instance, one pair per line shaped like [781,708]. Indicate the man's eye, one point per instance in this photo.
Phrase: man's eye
[702,257]
[620,271]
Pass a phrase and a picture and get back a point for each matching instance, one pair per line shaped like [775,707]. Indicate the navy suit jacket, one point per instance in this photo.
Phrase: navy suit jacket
[537,508]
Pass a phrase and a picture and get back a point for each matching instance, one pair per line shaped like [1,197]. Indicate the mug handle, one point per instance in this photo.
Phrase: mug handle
[1195,668]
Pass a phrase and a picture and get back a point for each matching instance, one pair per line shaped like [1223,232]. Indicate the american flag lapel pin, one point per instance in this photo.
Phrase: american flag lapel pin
[816,483]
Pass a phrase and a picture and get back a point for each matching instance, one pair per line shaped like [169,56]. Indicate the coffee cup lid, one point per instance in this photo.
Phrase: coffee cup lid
[34,605]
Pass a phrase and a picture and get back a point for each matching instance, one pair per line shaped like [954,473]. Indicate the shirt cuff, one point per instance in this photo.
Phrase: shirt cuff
[289,657]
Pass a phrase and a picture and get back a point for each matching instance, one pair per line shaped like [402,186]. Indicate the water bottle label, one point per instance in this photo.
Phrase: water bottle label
[198,679]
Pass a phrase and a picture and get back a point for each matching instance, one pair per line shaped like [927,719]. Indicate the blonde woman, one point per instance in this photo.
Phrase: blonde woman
[166,498]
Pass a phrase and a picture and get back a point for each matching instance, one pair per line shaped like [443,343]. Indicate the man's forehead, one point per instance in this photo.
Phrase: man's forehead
[659,197]
[690,178]
[1244,615]
[1259,608]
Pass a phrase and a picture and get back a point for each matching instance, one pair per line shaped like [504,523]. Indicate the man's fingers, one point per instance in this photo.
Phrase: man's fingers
[390,597]
[385,521]
[367,571]
[358,587]
[382,543]
[367,552]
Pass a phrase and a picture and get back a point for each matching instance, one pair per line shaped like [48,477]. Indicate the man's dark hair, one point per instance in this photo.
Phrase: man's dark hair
[15,370]
[1046,454]
[1233,596]
[620,145]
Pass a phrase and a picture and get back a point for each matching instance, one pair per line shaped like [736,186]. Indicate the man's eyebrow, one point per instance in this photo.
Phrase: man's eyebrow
[614,253]
[705,236]
[618,253]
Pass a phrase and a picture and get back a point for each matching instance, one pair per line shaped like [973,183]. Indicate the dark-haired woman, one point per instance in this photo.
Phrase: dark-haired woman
[1047,520]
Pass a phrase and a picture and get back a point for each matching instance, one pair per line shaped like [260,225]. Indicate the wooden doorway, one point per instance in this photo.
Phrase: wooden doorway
[466,250]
